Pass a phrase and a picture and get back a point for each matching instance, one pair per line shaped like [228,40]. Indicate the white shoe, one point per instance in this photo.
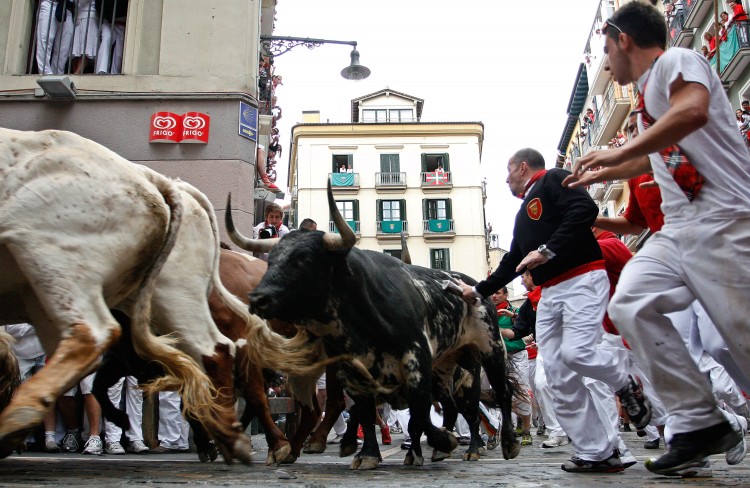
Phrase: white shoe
[556,441]
[137,447]
[736,454]
[114,448]
[93,446]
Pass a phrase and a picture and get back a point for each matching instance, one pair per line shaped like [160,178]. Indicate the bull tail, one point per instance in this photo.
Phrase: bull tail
[182,373]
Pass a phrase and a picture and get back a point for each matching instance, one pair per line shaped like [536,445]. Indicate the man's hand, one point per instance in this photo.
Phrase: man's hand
[468,293]
[506,313]
[531,261]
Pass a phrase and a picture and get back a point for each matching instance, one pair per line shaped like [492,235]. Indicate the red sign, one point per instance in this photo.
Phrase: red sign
[195,127]
[165,127]
[168,127]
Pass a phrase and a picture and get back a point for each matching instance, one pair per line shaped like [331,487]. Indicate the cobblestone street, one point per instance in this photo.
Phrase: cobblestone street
[534,467]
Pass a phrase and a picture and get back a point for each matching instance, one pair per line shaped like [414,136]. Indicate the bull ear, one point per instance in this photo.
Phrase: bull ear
[252,245]
[345,239]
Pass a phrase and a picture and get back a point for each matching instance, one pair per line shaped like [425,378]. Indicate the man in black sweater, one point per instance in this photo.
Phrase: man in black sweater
[552,239]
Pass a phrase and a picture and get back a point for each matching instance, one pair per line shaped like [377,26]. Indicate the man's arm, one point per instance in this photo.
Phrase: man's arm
[688,112]
[624,171]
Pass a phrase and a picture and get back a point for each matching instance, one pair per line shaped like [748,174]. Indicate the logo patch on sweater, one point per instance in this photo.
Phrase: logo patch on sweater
[534,209]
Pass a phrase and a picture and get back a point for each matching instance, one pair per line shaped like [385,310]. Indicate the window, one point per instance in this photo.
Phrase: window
[342,163]
[396,253]
[400,115]
[52,47]
[437,209]
[389,163]
[440,259]
[377,115]
[391,210]
[431,162]
[349,209]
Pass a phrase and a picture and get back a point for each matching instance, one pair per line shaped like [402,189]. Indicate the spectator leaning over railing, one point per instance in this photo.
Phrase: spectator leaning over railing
[738,12]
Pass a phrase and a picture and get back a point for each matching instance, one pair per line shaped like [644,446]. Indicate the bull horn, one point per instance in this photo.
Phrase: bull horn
[405,256]
[252,245]
[345,239]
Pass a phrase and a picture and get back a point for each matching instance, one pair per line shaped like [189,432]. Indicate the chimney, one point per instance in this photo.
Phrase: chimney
[311,116]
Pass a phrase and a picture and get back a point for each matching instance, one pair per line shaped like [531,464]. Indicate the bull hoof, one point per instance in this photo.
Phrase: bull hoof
[242,449]
[209,455]
[412,460]
[512,450]
[314,447]
[16,425]
[284,455]
[356,463]
[439,455]
[347,450]
[471,456]
[366,463]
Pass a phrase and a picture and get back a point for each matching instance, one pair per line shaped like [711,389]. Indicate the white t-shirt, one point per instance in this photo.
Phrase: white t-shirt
[282,231]
[716,149]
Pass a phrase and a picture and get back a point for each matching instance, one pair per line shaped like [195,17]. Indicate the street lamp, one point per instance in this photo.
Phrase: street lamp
[277,45]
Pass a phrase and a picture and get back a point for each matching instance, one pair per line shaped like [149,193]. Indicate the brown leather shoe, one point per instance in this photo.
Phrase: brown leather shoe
[167,450]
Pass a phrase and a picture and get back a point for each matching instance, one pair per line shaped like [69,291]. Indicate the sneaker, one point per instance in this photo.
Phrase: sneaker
[114,448]
[703,470]
[688,450]
[50,445]
[651,444]
[93,446]
[610,465]
[70,443]
[636,403]
[396,429]
[137,447]
[519,426]
[556,441]
[406,445]
[337,439]
[736,454]
[493,441]
[541,430]
[385,435]
[526,440]
[464,441]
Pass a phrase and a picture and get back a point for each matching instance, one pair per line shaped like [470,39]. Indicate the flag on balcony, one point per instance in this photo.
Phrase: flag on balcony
[437,178]
[342,179]
[391,226]
[439,225]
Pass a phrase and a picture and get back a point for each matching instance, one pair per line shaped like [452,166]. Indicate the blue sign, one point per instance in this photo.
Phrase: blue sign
[248,121]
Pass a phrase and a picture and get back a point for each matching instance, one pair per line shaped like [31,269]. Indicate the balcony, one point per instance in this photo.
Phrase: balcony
[438,229]
[735,52]
[390,182]
[391,229]
[596,190]
[436,181]
[344,182]
[695,12]
[679,35]
[615,107]
[353,224]
[612,190]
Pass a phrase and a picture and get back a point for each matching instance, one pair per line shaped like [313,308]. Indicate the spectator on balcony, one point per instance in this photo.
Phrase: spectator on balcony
[745,107]
[114,14]
[51,49]
[738,12]
[704,51]
[743,123]
[723,20]
[711,40]
[85,36]
[669,12]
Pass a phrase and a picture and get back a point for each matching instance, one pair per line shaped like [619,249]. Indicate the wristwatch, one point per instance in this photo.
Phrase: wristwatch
[547,253]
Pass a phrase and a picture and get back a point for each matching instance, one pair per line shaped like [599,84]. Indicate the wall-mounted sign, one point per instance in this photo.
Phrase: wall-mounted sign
[190,127]
[248,121]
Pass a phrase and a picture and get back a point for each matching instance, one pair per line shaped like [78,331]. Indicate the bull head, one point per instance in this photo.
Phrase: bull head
[345,239]
[252,245]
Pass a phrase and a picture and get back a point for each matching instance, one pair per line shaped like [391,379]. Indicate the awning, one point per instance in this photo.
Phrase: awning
[575,106]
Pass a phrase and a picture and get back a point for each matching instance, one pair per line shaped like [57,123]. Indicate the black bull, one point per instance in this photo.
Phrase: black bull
[406,334]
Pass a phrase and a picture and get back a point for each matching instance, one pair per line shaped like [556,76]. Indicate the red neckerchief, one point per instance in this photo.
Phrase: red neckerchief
[679,166]
[503,306]
[534,296]
[531,182]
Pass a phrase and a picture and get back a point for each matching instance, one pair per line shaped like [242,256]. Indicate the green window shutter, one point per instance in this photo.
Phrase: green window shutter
[356,209]
[448,209]
[334,167]
[379,209]
[425,211]
[447,256]
[424,163]
[403,209]
[446,162]
[395,163]
[350,162]
[385,164]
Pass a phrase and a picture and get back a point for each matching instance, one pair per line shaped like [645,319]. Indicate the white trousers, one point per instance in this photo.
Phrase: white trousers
[133,407]
[545,399]
[173,428]
[110,37]
[708,261]
[520,361]
[569,330]
[52,39]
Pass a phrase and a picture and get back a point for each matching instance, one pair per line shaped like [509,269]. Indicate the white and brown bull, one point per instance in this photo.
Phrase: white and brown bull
[82,230]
